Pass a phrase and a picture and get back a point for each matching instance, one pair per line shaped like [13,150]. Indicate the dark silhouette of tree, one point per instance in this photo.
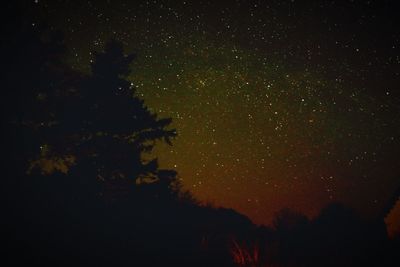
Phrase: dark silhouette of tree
[101,137]
[33,76]
[101,131]
[342,237]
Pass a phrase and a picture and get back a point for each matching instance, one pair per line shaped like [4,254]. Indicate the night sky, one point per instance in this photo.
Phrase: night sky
[276,103]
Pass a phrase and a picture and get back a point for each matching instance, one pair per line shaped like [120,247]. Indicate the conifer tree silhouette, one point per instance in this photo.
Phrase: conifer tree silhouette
[120,117]
[102,130]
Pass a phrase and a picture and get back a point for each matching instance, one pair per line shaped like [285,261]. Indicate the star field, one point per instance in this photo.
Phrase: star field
[277,103]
